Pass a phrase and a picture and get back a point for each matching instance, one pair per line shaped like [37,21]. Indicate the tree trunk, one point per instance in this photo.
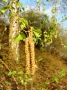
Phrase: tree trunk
[14,29]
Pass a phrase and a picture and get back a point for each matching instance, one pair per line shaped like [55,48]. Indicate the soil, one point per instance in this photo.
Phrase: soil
[51,72]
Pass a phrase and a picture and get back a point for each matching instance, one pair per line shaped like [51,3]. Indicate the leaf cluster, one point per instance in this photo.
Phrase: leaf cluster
[44,29]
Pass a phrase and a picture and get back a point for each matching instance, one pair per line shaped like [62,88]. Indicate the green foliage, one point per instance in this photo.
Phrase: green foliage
[20,72]
[54,10]
[12,73]
[23,80]
[55,79]
[22,26]
[23,23]
[37,35]
[42,88]
[20,79]
[19,37]
[38,21]
[4,56]
[47,82]
[44,30]
[2,10]
[19,4]
[56,36]
[5,0]
[65,46]
[62,74]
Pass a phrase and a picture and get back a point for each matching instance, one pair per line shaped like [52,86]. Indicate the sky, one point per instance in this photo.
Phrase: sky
[48,11]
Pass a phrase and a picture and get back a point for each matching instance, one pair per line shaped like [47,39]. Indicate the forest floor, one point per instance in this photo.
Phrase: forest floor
[51,72]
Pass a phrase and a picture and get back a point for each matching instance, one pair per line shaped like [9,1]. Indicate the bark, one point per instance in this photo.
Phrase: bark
[14,29]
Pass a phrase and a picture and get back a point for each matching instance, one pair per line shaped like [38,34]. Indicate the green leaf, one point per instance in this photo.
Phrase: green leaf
[22,26]
[26,76]
[35,40]
[55,36]
[20,72]
[37,33]
[65,46]
[55,79]
[19,4]
[23,36]
[45,40]
[47,82]
[20,79]
[38,30]
[11,73]
[2,10]
[53,10]
[5,0]
[43,88]
[23,21]
[30,79]
[6,7]
[25,83]
[18,38]
[62,74]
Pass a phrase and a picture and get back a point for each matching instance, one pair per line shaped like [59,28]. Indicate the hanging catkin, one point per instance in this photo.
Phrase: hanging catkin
[27,56]
[32,52]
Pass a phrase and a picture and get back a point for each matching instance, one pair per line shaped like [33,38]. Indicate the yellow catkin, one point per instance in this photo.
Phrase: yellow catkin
[32,52]
[27,56]
[32,58]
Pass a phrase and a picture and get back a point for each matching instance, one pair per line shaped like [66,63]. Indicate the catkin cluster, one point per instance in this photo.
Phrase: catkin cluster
[30,54]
